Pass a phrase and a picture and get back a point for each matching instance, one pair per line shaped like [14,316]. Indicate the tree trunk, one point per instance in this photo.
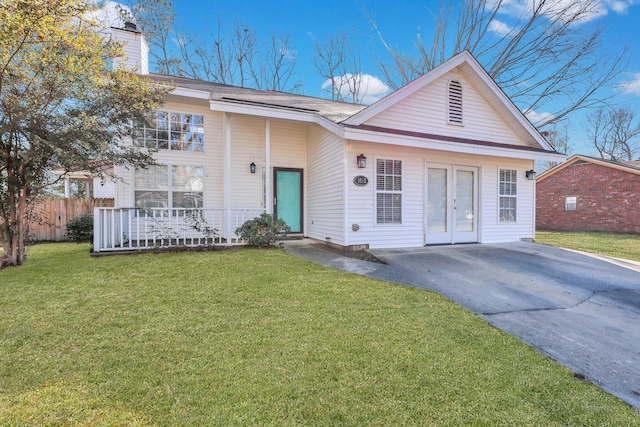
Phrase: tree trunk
[14,230]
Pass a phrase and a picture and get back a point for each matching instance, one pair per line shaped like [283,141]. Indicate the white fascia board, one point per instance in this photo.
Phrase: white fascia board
[330,126]
[190,93]
[266,112]
[507,102]
[456,147]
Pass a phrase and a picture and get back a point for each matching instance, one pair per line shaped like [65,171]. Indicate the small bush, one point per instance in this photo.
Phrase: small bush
[80,228]
[263,231]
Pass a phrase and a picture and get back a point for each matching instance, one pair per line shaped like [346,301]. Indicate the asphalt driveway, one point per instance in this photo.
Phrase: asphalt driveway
[582,311]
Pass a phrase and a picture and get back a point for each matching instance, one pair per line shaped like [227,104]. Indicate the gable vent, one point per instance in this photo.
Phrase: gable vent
[455,102]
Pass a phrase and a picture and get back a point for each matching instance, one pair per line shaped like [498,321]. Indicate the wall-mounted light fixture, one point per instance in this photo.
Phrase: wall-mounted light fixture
[252,167]
[530,174]
[362,161]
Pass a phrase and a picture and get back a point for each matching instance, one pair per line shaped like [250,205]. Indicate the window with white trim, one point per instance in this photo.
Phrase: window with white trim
[570,203]
[508,195]
[388,191]
[454,104]
[171,131]
[169,187]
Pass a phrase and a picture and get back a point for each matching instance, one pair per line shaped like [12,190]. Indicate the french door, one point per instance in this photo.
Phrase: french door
[452,204]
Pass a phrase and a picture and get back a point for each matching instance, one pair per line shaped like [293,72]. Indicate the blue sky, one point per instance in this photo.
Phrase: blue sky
[399,22]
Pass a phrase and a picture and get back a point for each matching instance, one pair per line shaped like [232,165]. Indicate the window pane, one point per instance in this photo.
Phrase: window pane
[187,200]
[437,200]
[197,142]
[389,208]
[188,178]
[197,124]
[163,120]
[154,177]
[151,199]
[175,122]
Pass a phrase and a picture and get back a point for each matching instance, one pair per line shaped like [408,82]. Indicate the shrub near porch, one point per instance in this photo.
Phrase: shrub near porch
[258,337]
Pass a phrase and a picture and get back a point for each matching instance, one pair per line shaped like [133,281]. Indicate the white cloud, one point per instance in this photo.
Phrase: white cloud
[538,118]
[620,6]
[632,86]
[499,27]
[370,87]
[108,15]
[593,9]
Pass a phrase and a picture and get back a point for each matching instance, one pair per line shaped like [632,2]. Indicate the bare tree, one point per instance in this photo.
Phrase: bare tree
[542,59]
[613,133]
[274,68]
[338,61]
[156,19]
[234,58]
[220,59]
[558,138]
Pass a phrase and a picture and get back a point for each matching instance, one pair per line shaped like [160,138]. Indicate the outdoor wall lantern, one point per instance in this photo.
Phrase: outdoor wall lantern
[530,174]
[252,167]
[362,161]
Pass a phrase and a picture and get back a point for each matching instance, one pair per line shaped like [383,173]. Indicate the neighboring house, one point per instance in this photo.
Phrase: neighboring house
[443,160]
[86,185]
[589,194]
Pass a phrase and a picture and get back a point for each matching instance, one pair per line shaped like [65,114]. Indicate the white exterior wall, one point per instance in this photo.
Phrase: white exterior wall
[104,190]
[524,228]
[361,200]
[136,50]
[411,233]
[426,111]
[288,148]
[326,186]
[247,145]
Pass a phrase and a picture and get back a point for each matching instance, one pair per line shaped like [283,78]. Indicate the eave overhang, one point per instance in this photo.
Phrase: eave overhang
[446,143]
[262,111]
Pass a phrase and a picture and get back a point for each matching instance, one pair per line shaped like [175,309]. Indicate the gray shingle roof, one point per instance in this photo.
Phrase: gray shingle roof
[332,110]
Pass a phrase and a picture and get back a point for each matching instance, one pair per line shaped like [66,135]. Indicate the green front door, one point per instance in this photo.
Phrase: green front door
[288,197]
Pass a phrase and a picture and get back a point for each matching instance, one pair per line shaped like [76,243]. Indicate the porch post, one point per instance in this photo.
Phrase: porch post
[267,167]
[97,229]
[226,126]
[67,188]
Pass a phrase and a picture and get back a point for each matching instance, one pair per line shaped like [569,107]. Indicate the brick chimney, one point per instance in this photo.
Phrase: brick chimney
[136,50]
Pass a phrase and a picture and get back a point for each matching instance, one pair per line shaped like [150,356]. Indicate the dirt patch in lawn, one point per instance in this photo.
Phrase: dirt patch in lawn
[362,255]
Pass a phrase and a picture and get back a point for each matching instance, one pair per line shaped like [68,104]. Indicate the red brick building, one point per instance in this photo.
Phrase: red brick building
[589,194]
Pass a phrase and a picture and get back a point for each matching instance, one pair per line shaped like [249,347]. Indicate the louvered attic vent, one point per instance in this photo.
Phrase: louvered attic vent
[455,102]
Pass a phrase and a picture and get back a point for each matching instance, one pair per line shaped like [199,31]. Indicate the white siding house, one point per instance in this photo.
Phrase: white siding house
[443,160]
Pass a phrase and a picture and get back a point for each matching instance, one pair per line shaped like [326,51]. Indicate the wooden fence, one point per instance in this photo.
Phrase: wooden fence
[52,215]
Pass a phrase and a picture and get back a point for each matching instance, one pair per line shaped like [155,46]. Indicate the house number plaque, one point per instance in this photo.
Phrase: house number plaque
[360,180]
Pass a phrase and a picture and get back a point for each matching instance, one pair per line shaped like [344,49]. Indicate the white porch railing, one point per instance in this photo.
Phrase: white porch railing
[127,229]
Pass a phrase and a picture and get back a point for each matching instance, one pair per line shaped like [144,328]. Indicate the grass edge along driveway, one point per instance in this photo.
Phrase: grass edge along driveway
[259,337]
[617,245]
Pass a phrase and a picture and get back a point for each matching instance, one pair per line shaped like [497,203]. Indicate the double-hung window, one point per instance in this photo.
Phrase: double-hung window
[388,191]
[152,187]
[508,195]
[171,131]
[169,187]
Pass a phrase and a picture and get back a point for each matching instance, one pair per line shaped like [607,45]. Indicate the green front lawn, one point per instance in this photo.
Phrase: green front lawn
[258,337]
[625,246]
